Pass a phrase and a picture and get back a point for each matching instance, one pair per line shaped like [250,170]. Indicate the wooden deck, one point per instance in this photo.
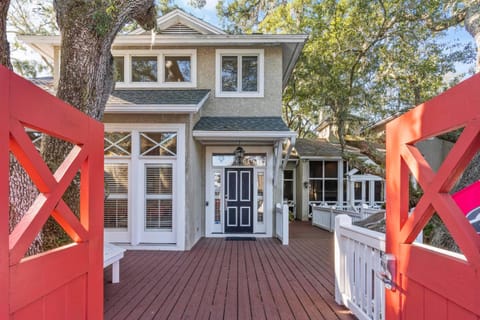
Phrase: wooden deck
[221,279]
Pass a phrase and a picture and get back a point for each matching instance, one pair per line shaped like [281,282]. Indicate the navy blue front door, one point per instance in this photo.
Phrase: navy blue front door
[239,200]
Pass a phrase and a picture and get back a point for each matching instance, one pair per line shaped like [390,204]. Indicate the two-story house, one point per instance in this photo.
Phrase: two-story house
[193,132]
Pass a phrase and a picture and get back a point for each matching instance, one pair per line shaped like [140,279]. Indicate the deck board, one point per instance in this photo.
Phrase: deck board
[221,279]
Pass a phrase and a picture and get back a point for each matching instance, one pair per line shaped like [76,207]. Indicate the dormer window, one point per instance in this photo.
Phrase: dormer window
[239,73]
[164,68]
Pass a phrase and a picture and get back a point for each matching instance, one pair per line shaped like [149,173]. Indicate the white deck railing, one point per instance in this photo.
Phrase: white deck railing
[357,261]
[281,226]
[324,217]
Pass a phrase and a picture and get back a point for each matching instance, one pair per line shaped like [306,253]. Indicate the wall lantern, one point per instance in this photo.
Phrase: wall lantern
[239,154]
[306,184]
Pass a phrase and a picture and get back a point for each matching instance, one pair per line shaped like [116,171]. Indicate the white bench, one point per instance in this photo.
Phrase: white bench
[111,256]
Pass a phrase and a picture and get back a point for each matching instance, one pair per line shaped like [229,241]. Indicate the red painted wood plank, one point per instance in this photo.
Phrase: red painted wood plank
[455,312]
[55,304]
[413,303]
[91,216]
[32,311]
[28,285]
[76,293]
[435,306]
[449,275]
[4,190]
[40,110]
[441,112]
[30,225]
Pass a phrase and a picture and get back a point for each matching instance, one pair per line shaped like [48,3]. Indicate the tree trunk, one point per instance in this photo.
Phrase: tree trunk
[472,24]
[4,45]
[22,190]
[88,29]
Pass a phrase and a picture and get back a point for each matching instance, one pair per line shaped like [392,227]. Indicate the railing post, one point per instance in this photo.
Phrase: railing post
[340,220]
[286,221]
[4,192]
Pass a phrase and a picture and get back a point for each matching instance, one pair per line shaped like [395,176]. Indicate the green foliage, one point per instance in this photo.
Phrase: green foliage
[30,17]
[104,16]
[363,61]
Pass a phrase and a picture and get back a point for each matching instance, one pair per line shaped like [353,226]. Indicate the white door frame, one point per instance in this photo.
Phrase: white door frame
[259,230]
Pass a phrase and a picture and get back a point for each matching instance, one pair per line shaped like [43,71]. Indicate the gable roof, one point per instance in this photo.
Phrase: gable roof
[179,22]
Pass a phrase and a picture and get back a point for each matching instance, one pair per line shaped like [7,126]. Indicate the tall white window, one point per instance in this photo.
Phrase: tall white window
[239,73]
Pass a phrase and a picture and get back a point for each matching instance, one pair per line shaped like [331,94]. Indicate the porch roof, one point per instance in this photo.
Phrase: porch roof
[145,101]
[159,100]
[242,128]
[307,148]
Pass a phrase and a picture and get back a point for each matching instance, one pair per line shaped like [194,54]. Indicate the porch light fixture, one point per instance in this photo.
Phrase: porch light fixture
[239,153]
[306,184]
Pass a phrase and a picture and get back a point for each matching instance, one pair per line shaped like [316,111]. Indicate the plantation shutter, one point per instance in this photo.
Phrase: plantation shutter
[116,202]
[158,197]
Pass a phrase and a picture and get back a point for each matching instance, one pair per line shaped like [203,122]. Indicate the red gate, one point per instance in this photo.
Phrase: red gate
[432,284]
[65,283]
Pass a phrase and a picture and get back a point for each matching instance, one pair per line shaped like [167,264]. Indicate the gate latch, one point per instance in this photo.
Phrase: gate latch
[388,270]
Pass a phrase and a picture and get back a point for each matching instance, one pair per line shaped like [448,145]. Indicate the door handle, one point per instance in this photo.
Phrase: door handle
[388,271]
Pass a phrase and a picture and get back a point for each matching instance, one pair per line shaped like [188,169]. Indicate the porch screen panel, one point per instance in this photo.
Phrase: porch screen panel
[116,203]
[158,197]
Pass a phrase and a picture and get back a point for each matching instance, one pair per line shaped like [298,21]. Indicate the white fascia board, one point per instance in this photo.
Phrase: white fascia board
[209,40]
[321,158]
[242,135]
[152,108]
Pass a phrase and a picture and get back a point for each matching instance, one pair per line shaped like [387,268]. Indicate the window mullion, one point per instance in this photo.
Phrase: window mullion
[239,73]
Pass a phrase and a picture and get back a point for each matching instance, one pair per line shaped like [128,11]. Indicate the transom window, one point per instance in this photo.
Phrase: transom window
[239,73]
[165,68]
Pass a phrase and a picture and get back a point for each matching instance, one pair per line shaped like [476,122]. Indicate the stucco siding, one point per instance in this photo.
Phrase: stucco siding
[269,105]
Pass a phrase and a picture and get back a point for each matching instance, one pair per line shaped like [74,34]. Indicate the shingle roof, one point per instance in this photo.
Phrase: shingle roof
[241,124]
[320,148]
[158,97]
[140,97]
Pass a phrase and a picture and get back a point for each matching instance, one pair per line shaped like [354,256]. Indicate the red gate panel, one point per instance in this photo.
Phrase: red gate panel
[65,283]
[432,284]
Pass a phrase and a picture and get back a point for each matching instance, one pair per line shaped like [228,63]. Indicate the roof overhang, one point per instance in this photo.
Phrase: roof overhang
[156,108]
[248,136]
[292,45]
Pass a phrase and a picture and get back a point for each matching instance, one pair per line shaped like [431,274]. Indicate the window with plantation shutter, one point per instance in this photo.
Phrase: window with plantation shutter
[116,202]
[158,197]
